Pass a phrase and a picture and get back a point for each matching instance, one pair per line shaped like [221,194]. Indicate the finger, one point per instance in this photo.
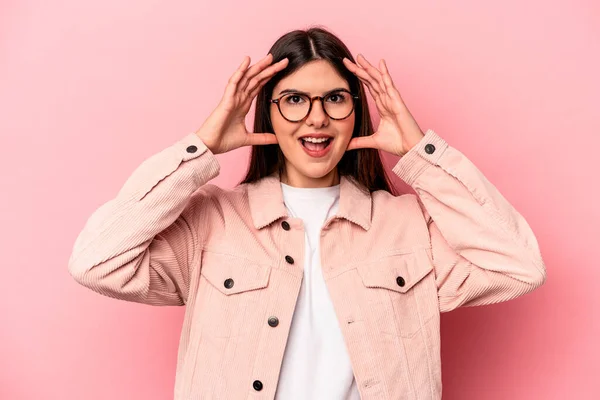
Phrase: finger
[371,90]
[252,92]
[361,142]
[387,79]
[253,70]
[235,78]
[265,75]
[260,139]
[362,74]
[371,70]
[369,83]
[393,92]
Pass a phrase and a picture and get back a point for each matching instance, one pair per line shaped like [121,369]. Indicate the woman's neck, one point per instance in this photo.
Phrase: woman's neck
[296,179]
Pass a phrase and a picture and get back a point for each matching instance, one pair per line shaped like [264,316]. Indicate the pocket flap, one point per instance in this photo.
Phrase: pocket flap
[398,272]
[232,274]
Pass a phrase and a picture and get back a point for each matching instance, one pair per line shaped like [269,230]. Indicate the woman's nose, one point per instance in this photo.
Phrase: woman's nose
[317,115]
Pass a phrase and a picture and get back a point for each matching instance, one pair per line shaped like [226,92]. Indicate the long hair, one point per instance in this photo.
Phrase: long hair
[301,47]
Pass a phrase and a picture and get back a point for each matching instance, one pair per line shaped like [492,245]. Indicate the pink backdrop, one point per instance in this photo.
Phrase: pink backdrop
[90,89]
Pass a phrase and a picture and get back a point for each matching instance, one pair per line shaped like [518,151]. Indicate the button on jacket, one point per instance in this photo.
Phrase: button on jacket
[234,257]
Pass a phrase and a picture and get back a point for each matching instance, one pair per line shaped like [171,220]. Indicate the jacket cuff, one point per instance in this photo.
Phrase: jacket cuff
[424,154]
[193,147]
[189,159]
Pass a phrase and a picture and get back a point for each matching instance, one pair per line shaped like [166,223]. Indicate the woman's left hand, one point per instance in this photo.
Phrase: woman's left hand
[398,131]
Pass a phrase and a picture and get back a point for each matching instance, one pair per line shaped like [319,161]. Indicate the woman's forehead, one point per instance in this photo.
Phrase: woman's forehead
[315,77]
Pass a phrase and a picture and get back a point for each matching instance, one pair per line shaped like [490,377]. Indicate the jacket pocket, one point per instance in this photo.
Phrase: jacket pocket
[232,292]
[402,295]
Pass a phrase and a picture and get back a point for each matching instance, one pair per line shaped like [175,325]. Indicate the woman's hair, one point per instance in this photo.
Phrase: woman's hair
[302,47]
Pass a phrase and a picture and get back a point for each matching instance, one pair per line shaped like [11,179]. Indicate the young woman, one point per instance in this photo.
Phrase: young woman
[310,279]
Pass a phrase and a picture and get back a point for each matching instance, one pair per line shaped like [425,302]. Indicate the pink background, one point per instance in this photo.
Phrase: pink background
[88,90]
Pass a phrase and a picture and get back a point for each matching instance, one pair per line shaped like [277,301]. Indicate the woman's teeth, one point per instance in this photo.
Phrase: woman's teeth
[315,140]
[315,144]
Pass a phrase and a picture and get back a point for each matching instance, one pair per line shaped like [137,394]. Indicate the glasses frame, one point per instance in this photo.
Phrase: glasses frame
[312,99]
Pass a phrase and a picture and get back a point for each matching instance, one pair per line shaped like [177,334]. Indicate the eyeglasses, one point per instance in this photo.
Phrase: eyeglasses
[294,107]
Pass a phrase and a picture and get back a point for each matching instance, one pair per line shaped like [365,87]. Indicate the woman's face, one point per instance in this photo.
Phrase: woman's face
[303,169]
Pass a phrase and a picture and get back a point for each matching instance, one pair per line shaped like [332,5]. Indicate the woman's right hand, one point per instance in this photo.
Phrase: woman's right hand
[225,128]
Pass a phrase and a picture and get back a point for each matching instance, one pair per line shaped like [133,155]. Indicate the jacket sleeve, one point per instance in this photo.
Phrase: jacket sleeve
[141,245]
[482,249]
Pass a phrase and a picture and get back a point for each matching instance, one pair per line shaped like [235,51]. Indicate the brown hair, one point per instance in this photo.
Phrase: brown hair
[301,47]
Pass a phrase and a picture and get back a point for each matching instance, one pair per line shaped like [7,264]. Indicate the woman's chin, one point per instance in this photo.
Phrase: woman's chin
[318,172]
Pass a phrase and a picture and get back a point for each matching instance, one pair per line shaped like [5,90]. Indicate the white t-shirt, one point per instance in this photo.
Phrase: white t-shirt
[316,364]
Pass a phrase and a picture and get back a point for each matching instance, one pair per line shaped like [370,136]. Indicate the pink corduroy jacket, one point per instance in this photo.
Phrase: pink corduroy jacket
[235,258]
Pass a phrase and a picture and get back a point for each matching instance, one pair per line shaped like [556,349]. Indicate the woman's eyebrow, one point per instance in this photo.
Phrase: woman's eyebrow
[308,94]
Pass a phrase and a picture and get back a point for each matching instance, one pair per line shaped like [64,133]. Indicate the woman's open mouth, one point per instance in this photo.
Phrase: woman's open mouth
[316,149]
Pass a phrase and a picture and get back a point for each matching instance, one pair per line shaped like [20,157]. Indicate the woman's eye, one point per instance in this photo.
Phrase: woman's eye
[294,99]
[336,97]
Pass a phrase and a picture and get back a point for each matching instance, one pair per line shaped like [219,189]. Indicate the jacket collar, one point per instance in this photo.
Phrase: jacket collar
[265,197]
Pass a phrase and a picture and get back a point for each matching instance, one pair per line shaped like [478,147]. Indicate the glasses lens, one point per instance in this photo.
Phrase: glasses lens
[337,105]
[294,106]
